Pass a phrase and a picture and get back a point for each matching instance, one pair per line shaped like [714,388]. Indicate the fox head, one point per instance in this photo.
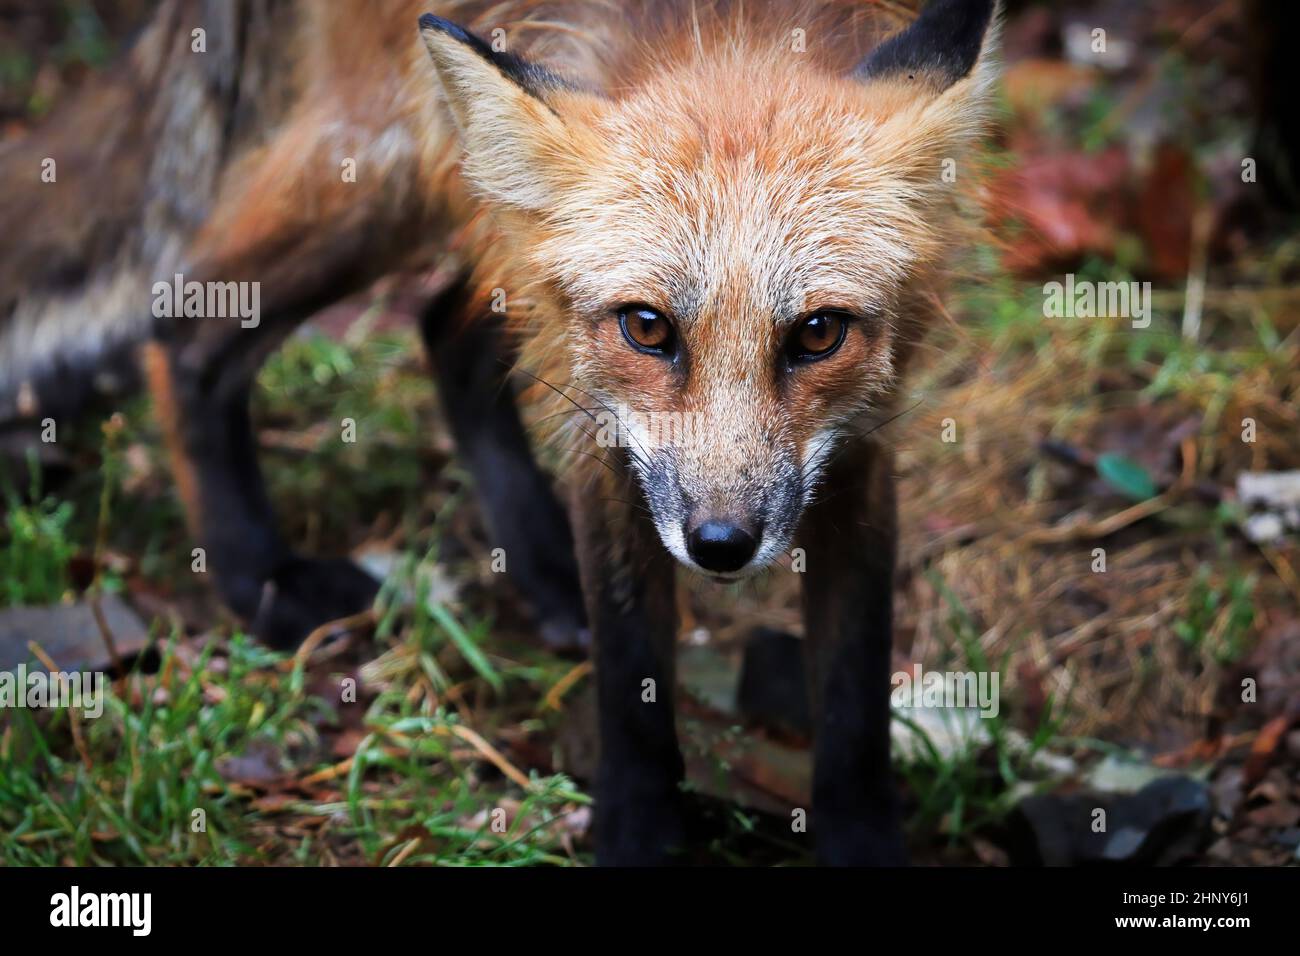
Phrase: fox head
[736,238]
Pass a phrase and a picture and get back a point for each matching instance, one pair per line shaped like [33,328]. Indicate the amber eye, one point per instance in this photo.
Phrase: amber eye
[817,336]
[646,330]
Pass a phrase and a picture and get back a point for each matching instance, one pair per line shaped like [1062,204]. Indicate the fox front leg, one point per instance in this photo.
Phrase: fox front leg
[468,349]
[628,584]
[202,404]
[849,536]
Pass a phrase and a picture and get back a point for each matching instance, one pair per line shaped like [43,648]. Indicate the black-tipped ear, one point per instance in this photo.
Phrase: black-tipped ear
[534,80]
[518,151]
[941,47]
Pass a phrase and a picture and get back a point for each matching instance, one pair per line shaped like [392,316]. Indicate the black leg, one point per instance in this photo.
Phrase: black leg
[204,410]
[628,579]
[849,537]
[466,347]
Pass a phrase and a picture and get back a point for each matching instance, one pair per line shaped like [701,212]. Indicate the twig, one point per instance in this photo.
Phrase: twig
[1098,529]
[563,685]
[74,717]
[112,432]
[344,625]
[1202,223]
[493,755]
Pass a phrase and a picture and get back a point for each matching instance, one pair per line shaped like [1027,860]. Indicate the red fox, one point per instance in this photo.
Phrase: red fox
[729,215]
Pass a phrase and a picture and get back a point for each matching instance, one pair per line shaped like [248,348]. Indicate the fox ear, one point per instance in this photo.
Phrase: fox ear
[932,83]
[517,149]
[942,46]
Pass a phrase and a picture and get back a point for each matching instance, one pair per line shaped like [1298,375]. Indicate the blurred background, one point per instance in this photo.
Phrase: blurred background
[1106,515]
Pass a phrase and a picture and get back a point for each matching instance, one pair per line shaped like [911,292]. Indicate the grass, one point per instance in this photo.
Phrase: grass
[419,778]
[1220,615]
[413,773]
[963,791]
[85,45]
[157,779]
[163,776]
[1126,646]
[144,773]
[376,382]
[428,762]
[36,548]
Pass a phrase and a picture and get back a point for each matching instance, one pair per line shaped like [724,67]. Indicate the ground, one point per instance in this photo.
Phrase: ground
[1070,520]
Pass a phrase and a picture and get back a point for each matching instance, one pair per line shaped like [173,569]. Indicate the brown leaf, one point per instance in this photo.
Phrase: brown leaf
[274,802]
[1064,206]
[1164,211]
[258,767]
[1265,747]
[346,743]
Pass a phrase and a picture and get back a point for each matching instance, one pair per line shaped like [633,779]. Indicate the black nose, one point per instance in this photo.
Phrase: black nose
[720,546]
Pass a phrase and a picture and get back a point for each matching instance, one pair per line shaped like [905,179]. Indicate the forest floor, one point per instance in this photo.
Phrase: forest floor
[1071,520]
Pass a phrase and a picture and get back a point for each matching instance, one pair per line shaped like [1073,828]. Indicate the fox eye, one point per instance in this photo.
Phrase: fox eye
[646,330]
[817,336]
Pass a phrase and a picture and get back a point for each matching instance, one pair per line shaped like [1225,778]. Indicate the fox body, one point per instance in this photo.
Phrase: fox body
[727,214]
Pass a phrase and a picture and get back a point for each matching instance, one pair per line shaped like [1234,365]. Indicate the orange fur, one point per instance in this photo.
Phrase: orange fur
[734,184]
[716,160]
[160,376]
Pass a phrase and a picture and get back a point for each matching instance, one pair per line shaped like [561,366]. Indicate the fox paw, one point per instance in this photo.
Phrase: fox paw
[640,831]
[305,593]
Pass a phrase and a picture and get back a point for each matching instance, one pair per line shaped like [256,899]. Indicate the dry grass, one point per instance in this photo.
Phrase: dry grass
[1012,533]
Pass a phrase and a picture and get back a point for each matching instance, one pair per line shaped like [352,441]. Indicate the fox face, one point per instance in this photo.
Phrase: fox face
[734,248]
[730,295]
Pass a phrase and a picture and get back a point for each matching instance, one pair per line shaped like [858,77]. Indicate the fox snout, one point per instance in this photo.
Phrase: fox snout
[723,522]
[722,545]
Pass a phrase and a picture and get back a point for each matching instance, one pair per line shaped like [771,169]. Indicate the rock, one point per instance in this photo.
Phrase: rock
[577,743]
[950,731]
[1164,822]
[1274,497]
[1122,775]
[1226,791]
[1271,489]
[772,689]
[69,634]
[708,676]
[1264,528]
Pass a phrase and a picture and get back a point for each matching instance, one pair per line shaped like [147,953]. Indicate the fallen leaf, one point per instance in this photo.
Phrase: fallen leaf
[1126,476]
[1265,747]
